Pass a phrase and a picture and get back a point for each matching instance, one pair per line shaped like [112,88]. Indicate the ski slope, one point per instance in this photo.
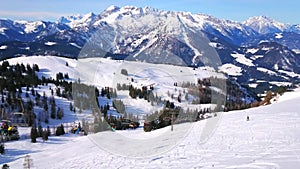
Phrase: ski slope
[271,139]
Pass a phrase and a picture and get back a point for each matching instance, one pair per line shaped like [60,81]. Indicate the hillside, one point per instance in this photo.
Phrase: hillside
[269,140]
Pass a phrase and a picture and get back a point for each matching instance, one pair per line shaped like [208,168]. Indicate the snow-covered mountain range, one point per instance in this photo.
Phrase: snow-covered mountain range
[259,49]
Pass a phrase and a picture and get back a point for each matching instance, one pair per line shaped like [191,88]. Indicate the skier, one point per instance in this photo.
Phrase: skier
[9,129]
[248,118]
[79,127]
[74,129]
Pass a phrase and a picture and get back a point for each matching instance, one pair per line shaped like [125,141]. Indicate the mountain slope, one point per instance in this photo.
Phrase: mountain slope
[158,36]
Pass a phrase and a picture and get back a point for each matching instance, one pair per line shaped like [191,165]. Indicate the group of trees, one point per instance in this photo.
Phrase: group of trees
[204,90]
[142,93]
[109,92]
[44,133]
[39,132]
[15,77]
[163,118]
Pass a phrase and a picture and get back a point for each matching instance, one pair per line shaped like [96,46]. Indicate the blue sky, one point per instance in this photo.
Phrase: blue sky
[286,11]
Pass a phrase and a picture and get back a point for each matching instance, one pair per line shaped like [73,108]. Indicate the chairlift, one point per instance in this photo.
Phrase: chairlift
[19,118]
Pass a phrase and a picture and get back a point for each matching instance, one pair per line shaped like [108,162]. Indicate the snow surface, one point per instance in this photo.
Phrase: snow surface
[252,50]
[266,71]
[297,51]
[281,83]
[31,27]
[2,31]
[231,69]
[74,44]
[49,65]
[253,85]
[278,36]
[50,43]
[254,57]
[242,59]
[3,47]
[291,74]
[270,139]
[213,44]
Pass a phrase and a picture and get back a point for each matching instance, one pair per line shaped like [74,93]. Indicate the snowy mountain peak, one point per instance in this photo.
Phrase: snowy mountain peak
[112,8]
[265,24]
[30,27]
[68,19]
[75,21]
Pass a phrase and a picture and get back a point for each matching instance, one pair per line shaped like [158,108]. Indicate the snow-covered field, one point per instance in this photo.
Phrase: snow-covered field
[271,139]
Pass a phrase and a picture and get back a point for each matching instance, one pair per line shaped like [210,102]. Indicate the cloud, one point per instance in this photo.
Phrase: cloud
[36,15]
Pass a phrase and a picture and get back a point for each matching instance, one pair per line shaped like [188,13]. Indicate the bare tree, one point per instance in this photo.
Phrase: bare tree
[28,162]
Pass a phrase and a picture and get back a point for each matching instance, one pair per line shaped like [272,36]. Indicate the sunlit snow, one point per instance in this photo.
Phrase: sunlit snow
[50,43]
[231,69]
[242,59]
[3,47]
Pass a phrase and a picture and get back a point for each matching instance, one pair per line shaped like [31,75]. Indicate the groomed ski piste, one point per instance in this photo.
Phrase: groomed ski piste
[269,140]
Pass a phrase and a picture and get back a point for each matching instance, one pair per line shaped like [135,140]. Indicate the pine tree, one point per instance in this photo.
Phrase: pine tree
[33,134]
[186,97]
[45,106]
[63,129]
[40,131]
[60,113]
[36,68]
[53,111]
[60,130]
[71,107]
[45,135]
[2,148]
[48,131]
[32,91]
[66,76]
